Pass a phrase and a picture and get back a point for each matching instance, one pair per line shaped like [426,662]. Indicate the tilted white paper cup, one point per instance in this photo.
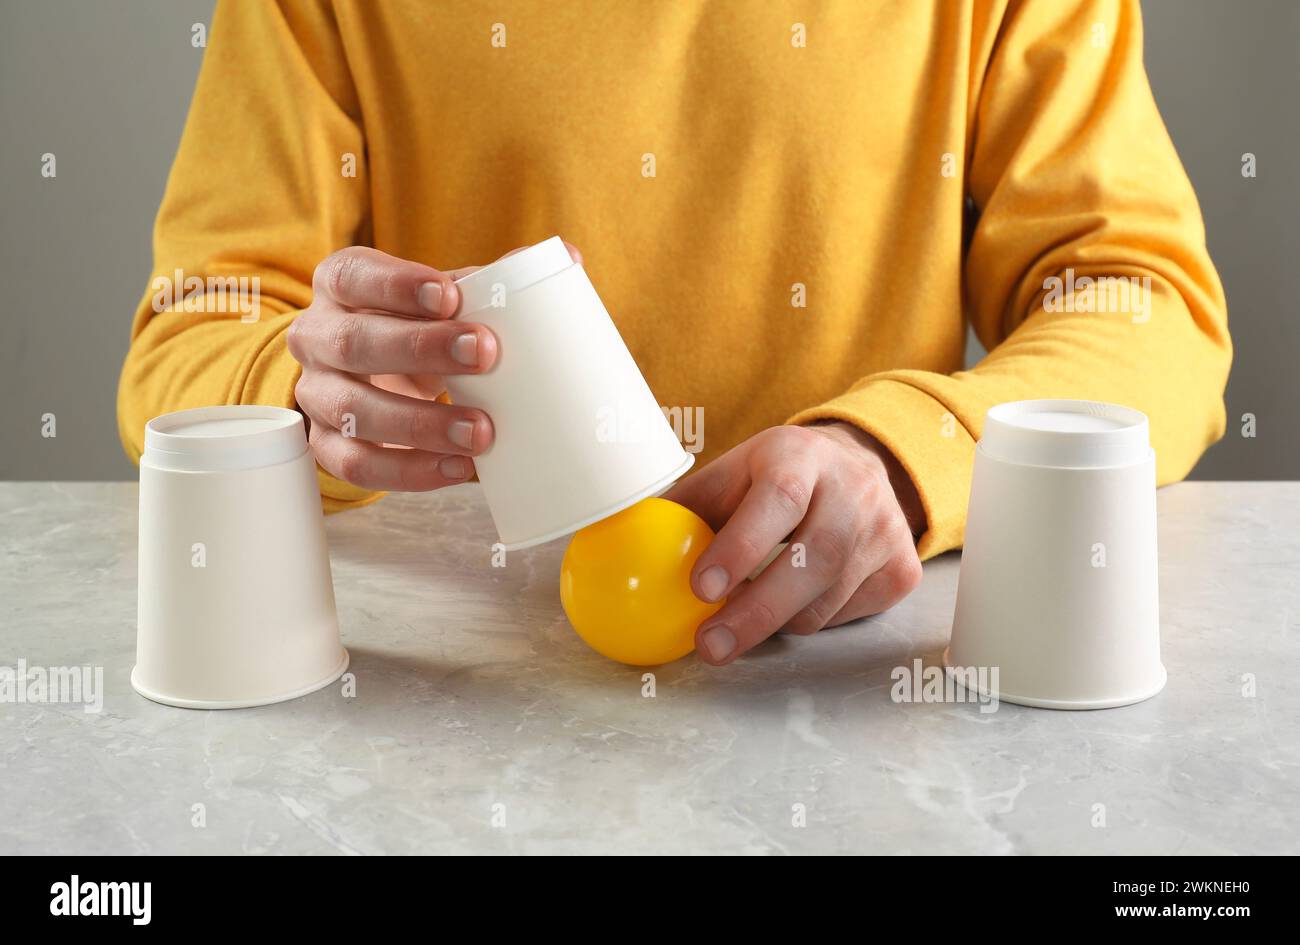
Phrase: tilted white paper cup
[236,604]
[578,434]
[1058,587]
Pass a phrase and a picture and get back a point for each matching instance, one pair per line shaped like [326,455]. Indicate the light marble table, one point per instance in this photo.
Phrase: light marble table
[481,723]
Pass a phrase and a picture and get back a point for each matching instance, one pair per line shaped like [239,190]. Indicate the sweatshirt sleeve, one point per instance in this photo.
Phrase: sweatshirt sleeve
[1074,178]
[257,196]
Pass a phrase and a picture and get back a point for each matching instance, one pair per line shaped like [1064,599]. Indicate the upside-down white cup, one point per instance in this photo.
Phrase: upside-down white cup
[1058,587]
[578,434]
[236,604]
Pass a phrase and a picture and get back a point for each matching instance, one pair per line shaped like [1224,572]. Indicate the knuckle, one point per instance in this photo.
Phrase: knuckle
[390,287]
[319,275]
[902,574]
[342,405]
[321,454]
[864,502]
[762,616]
[802,437]
[352,463]
[865,505]
[863,483]
[748,548]
[344,337]
[798,439]
[809,620]
[777,444]
[876,484]
[416,472]
[789,489]
[339,270]
[302,390]
[296,339]
[802,626]
[892,526]
[831,549]
[910,572]
[425,339]
[787,434]
[721,491]
[422,426]
[408,477]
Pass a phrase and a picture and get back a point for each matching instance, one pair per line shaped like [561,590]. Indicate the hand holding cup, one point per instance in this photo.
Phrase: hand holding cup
[375,345]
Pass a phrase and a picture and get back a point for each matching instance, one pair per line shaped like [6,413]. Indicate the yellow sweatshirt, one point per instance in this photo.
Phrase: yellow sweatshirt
[791,209]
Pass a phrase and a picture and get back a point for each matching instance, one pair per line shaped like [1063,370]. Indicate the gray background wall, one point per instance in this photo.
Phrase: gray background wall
[104,85]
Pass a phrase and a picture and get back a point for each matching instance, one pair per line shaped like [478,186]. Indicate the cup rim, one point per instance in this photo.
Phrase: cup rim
[1008,438]
[281,440]
[241,702]
[656,488]
[164,424]
[515,272]
[1009,411]
[1110,700]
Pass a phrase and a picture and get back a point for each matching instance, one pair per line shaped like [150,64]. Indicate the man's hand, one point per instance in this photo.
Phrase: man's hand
[374,346]
[848,510]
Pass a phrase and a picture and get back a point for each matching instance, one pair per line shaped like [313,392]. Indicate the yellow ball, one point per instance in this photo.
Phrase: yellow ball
[626,583]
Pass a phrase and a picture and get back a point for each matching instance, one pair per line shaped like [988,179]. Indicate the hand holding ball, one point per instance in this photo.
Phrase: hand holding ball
[625,583]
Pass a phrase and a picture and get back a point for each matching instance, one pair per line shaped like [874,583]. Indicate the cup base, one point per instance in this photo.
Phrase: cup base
[1033,702]
[180,703]
[654,489]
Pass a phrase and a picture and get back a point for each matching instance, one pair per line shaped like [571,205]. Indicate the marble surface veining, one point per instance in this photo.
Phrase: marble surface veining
[481,723]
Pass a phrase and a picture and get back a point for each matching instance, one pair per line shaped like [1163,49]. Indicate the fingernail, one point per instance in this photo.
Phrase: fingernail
[719,641]
[713,582]
[461,432]
[453,467]
[430,297]
[464,350]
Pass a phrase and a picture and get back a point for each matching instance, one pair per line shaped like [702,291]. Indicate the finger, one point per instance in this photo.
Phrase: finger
[356,408]
[899,577]
[385,344]
[714,492]
[374,467]
[882,534]
[818,614]
[363,278]
[878,541]
[887,550]
[421,386]
[832,551]
[775,503]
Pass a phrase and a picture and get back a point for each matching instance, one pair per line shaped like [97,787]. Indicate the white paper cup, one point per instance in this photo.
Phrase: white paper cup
[1058,587]
[236,604]
[578,434]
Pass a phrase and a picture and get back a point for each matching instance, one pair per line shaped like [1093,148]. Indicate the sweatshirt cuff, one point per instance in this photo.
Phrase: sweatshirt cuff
[271,379]
[926,438]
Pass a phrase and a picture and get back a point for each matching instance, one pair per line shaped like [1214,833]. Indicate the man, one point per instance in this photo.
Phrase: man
[791,210]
